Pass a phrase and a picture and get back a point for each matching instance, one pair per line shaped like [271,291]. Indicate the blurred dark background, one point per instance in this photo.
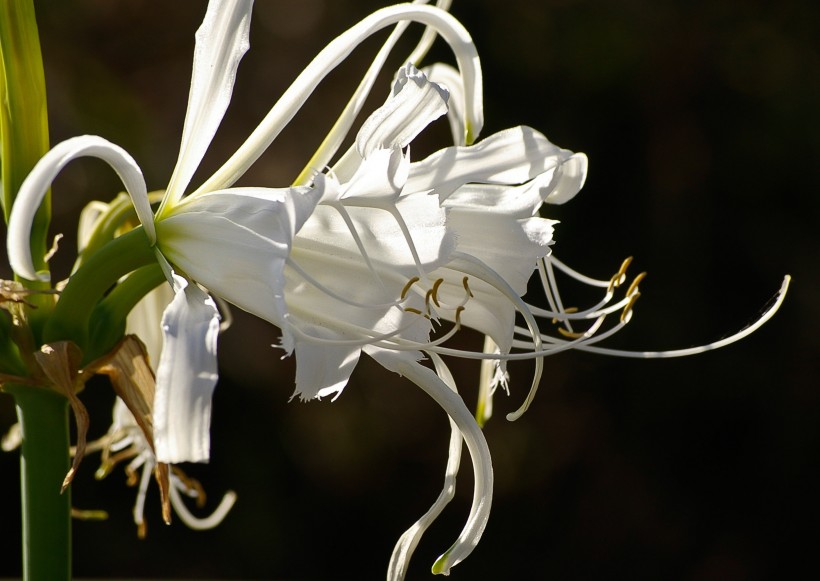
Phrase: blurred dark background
[701,124]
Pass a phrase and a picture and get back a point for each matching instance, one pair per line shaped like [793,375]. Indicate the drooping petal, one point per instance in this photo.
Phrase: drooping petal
[454,407]
[235,242]
[186,376]
[406,545]
[221,41]
[512,156]
[334,53]
[37,182]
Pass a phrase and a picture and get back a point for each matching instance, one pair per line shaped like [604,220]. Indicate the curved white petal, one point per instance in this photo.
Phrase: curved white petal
[34,188]
[512,156]
[186,376]
[414,103]
[406,545]
[330,145]
[555,186]
[334,53]
[572,174]
[221,41]
[454,407]
[235,242]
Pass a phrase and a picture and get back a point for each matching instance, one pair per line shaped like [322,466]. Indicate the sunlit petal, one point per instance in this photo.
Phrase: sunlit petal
[414,103]
[554,186]
[37,183]
[406,545]
[235,242]
[221,41]
[323,370]
[512,156]
[186,376]
[334,53]
[454,407]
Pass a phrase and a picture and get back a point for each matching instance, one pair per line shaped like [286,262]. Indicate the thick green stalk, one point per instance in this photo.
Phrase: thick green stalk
[24,130]
[88,285]
[109,317]
[44,462]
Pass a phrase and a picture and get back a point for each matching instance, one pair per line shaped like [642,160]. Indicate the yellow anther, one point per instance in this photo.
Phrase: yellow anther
[458,315]
[104,470]
[628,308]
[618,278]
[131,477]
[409,284]
[567,311]
[142,530]
[467,287]
[569,334]
[435,291]
[427,298]
[412,310]
[634,286]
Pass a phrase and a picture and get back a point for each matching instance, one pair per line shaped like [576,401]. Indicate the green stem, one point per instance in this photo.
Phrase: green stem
[11,362]
[88,285]
[44,462]
[24,130]
[108,319]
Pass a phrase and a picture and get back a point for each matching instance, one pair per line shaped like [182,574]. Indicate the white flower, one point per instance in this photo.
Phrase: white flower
[380,254]
[240,243]
[394,248]
[233,241]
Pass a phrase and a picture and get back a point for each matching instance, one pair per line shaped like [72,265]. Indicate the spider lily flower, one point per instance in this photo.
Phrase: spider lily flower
[219,234]
[395,247]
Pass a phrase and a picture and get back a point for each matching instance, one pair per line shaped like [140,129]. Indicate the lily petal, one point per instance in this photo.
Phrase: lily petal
[414,103]
[221,42]
[379,177]
[406,545]
[36,184]
[323,370]
[235,242]
[455,408]
[555,186]
[331,56]
[186,376]
[512,156]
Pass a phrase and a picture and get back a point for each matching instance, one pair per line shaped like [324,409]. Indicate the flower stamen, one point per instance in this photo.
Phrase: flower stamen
[407,287]
[619,277]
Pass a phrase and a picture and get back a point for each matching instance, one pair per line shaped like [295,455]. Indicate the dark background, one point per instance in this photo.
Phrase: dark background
[700,121]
